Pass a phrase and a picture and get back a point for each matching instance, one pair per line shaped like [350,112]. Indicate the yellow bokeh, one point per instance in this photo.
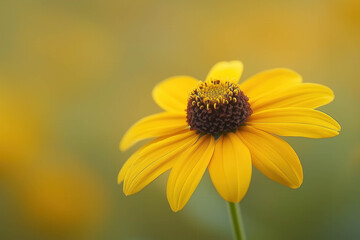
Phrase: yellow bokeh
[20,131]
[60,199]
[74,75]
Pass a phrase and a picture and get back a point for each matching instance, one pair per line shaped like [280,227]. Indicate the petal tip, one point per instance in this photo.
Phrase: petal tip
[126,191]
[124,143]
[295,186]
[174,205]
[331,134]
[177,206]
[119,180]
[126,188]
[120,177]
[122,147]
[175,210]
[337,125]
[226,71]
[237,63]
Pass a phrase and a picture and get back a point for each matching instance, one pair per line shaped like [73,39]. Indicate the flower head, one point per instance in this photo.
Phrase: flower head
[225,127]
[217,107]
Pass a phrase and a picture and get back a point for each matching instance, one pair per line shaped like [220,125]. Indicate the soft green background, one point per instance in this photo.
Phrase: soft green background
[79,73]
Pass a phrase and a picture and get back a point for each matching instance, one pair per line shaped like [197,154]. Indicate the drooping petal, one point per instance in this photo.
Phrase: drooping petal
[226,71]
[270,81]
[230,168]
[155,159]
[156,125]
[188,171]
[301,122]
[274,157]
[133,157]
[128,164]
[172,93]
[307,95]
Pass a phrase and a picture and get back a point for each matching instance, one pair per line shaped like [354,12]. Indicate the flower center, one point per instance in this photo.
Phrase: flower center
[217,107]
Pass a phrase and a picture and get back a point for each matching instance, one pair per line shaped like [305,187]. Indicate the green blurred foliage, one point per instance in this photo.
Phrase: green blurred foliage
[74,75]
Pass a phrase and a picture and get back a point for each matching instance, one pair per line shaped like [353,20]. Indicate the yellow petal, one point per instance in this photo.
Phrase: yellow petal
[155,159]
[270,81]
[302,122]
[172,93]
[188,171]
[128,164]
[274,157]
[302,95]
[153,126]
[230,168]
[133,157]
[226,71]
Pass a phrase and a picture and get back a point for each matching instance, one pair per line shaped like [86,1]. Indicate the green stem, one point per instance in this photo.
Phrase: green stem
[234,209]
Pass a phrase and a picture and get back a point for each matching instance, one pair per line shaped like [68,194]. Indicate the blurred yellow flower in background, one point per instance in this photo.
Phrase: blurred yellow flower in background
[226,127]
[63,199]
[53,197]
[68,70]
[20,132]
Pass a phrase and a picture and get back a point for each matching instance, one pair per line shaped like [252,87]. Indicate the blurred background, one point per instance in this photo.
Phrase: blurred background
[74,75]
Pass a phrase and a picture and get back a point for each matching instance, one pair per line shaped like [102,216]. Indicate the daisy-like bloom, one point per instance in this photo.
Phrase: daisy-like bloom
[225,127]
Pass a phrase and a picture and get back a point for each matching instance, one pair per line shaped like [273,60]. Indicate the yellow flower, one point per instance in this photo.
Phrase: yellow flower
[62,200]
[226,127]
